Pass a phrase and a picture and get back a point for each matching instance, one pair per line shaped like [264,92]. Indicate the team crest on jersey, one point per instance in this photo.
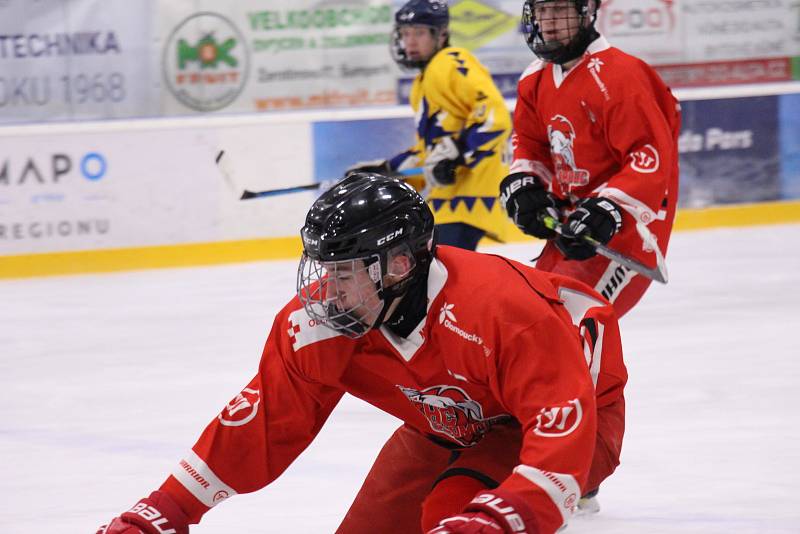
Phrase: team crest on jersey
[562,143]
[560,420]
[450,411]
[242,409]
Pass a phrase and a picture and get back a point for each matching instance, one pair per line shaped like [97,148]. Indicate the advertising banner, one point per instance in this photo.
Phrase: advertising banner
[726,72]
[258,55]
[356,141]
[730,151]
[115,59]
[789,112]
[740,29]
[653,30]
[76,59]
[149,185]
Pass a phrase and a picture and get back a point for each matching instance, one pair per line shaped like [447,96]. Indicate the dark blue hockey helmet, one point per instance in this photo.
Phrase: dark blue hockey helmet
[431,13]
[428,12]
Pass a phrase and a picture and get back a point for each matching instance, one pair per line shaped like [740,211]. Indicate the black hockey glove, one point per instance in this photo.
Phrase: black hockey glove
[440,165]
[598,218]
[380,166]
[525,199]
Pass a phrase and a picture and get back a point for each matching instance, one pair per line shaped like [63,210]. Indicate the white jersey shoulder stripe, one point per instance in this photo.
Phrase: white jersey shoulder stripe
[535,66]
[303,330]
[598,45]
[195,475]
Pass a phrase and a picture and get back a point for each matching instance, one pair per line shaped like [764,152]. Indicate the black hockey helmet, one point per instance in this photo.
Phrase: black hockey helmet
[354,229]
[556,51]
[431,13]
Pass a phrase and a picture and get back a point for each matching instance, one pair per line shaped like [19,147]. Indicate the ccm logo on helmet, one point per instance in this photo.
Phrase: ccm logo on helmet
[385,239]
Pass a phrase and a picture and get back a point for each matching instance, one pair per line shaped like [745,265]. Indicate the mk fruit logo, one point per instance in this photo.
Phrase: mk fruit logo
[208,52]
[206,62]
[450,411]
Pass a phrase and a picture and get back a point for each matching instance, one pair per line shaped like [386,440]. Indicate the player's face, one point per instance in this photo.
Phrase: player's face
[419,42]
[558,21]
[352,290]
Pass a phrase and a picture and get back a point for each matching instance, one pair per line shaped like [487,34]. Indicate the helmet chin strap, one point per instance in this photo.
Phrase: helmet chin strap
[387,303]
[390,295]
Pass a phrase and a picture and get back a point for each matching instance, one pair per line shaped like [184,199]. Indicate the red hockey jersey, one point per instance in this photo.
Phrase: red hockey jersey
[501,341]
[607,127]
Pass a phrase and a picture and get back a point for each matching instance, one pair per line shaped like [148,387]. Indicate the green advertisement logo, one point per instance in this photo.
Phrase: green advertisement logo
[206,62]
[207,51]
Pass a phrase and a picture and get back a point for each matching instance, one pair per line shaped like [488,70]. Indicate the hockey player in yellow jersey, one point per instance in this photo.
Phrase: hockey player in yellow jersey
[462,128]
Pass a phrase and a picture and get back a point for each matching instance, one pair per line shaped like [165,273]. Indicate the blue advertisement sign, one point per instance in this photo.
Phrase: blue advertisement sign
[789,113]
[340,144]
[730,151]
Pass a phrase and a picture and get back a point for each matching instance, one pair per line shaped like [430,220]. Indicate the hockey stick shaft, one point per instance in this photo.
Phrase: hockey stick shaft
[224,165]
[246,194]
[632,264]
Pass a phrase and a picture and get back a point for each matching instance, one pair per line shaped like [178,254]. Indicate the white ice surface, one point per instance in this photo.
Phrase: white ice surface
[106,380]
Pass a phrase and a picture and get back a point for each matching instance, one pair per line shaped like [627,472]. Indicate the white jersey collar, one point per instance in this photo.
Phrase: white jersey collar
[598,45]
[407,347]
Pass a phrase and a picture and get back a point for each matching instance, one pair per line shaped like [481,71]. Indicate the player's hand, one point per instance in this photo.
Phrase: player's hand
[440,165]
[526,200]
[380,166]
[157,514]
[598,218]
[491,512]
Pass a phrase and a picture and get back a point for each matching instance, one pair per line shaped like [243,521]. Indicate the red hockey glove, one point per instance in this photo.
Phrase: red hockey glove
[525,199]
[157,514]
[491,512]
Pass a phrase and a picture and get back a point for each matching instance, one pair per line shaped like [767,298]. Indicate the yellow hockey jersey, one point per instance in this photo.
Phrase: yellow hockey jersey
[455,96]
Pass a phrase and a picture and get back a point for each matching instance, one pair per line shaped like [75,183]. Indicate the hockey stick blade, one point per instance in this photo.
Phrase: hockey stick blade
[247,194]
[654,274]
[223,163]
[225,166]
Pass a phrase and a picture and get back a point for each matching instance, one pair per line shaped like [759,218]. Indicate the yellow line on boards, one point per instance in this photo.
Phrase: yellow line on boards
[738,215]
[196,254]
[125,259]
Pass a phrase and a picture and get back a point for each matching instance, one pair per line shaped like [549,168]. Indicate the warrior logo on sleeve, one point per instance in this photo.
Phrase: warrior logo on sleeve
[450,411]
[242,409]
[562,143]
[559,420]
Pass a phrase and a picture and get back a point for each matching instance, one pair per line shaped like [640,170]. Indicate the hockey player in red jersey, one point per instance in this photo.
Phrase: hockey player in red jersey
[511,394]
[595,147]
